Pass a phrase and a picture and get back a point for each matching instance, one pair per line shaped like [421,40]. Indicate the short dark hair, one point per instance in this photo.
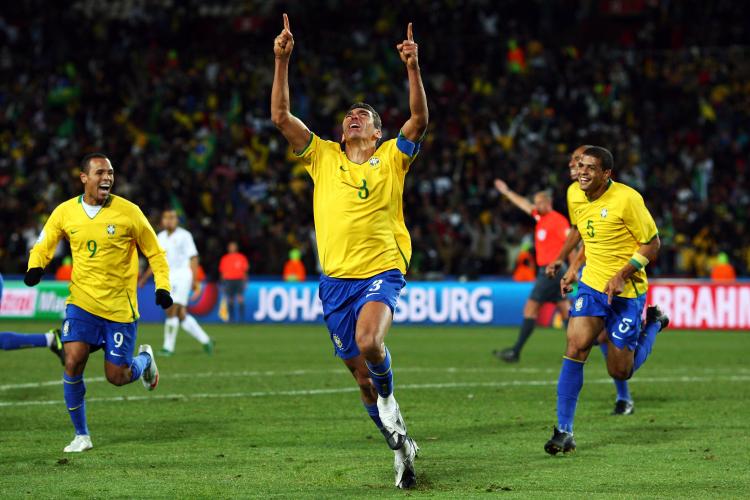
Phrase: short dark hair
[375,116]
[604,156]
[86,162]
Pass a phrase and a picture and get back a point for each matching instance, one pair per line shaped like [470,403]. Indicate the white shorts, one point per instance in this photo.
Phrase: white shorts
[182,286]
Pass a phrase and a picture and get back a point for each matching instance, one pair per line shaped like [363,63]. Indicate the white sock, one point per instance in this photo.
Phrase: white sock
[50,338]
[171,326]
[193,328]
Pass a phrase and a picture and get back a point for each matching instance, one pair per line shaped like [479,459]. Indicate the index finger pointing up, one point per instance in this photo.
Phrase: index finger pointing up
[286,23]
[409,34]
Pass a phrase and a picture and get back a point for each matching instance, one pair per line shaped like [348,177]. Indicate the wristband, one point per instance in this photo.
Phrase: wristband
[638,261]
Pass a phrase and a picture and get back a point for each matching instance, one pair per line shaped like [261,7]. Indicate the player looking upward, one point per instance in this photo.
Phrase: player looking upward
[182,256]
[620,238]
[549,235]
[363,244]
[102,309]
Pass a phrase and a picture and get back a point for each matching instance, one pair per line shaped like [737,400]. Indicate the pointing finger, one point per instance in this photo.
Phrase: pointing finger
[286,23]
[409,34]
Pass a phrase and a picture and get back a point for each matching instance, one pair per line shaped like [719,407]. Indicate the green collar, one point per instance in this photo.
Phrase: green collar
[609,183]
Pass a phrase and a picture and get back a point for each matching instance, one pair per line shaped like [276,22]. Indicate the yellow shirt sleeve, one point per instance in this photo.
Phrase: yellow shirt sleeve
[308,156]
[638,219]
[149,245]
[571,212]
[44,248]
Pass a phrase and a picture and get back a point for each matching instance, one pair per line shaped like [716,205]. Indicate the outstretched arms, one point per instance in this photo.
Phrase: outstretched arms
[514,197]
[290,126]
[415,126]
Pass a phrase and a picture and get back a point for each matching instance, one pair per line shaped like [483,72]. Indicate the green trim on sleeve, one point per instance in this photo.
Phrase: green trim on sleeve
[635,264]
[651,239]
[302,153]
[406,262]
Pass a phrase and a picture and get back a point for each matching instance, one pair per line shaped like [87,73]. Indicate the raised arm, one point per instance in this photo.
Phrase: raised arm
[514,197]
[290,126]
[415,126]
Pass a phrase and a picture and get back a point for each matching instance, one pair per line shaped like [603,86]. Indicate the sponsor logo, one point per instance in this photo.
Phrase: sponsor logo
[113,353]
[341,167]
[541,234]
[337,341]
[616,336]
[374,293]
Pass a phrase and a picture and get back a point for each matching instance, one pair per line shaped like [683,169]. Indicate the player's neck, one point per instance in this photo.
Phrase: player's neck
[359,151]
[599,191]
[90,200]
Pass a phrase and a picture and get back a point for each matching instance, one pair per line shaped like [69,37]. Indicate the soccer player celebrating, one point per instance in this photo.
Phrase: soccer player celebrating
[549,235]
[102,311]
[363,243]
[620,238]
[182,257]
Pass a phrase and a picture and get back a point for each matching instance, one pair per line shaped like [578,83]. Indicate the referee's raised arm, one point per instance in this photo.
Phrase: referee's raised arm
[290,126]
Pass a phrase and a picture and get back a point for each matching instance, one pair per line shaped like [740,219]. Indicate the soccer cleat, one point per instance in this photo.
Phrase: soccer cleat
[560,442]
[166,353]
[80,443]
[406,477]
[653,313]
[56,346]
[150,377]
[508,355]
[394,428]
[623,407]
[209,347]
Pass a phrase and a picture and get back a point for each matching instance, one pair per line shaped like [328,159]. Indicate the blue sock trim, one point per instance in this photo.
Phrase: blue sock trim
[568,388]
[10,341]
[74,391]
[140,363]
[372,410]
[382,375]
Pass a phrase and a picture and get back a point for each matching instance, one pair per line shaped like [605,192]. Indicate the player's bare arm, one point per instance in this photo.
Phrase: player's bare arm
[616,285]
[571,241]
[415,126]
[514,197]
[289,125]
[194,269]
[571,275]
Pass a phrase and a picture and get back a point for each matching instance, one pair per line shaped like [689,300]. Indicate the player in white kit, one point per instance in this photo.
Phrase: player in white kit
[182,257]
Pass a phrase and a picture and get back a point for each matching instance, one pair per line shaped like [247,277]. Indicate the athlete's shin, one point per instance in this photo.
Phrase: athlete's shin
[568,388]
[382,375]
[74,391]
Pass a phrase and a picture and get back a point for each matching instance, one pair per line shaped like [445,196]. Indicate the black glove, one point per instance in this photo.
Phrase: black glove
[33,276]
[163,298]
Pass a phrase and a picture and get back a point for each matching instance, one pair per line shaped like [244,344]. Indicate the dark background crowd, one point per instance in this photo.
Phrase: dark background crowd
[177,94]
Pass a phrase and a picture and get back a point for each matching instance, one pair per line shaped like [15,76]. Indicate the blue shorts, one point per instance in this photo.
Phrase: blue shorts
[343,299]
[622,318]
[117,339]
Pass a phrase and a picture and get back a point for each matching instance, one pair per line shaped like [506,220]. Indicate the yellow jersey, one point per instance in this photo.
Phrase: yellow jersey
[612,227]
[358,209]
[105,260]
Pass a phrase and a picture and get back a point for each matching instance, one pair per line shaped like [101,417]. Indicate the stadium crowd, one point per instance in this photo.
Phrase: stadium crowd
[177,94]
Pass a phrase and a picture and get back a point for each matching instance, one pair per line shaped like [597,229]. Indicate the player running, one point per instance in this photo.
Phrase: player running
[182,256]
[363,243]
[102,311]
[549,235]
[620,238]
[10,341]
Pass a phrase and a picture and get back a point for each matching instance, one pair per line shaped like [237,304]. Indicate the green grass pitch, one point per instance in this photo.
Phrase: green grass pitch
[274,415]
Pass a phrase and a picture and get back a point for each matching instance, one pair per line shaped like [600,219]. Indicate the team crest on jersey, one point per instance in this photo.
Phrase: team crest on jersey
[374,161]
[337,341]
[66,328]
[604,213]
[579,304]
[111,229]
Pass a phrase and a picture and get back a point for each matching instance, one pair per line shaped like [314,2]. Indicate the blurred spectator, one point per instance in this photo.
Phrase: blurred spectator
[294,269]
[233,269]
[525,269]
[723,270]
[65,271]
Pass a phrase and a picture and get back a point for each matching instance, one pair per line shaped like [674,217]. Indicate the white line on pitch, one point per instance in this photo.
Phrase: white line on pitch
[340,390]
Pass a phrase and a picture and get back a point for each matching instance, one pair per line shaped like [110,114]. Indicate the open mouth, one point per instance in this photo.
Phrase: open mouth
[354,126]
[104,188]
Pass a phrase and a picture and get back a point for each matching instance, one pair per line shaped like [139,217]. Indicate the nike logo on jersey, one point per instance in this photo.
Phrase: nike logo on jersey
[73,231]
[341,167]
[113,353]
